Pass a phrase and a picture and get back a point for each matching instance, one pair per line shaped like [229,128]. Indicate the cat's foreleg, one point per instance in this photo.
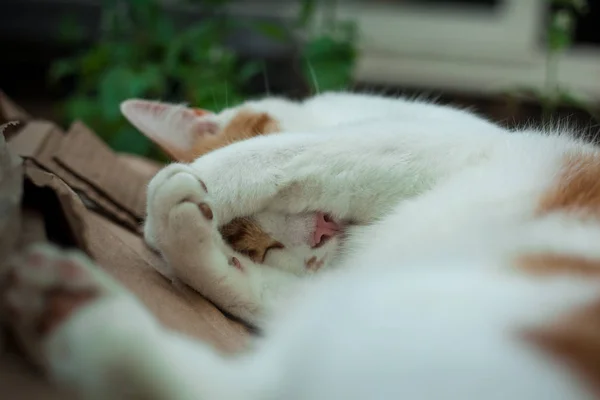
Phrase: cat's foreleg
[182,224]
[89,334]
[349,174]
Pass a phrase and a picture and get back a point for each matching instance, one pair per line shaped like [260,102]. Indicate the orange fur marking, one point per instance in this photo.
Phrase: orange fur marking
[244,125]
[245,236]
[548,264]
[242,234]
[577,189]
[313,264]
[574,340]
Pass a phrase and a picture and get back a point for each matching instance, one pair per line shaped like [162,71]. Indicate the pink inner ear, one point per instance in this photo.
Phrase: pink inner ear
[200,112]
[203,128]
[175,128]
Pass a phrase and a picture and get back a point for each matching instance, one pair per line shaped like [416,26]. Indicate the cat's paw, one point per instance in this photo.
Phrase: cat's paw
[180,214]
[43,288]
[173,186]
[72,319]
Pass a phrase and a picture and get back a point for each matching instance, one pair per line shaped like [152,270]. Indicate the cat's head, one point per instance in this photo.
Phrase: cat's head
[299,243]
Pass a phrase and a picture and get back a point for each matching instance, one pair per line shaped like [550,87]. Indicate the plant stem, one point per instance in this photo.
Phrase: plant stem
[551,86]
[330,15]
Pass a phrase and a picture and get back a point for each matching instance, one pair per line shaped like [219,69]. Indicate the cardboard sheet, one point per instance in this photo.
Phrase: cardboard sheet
[86,156]
[11,190]
[9,111]
[74,195]
[88,166]
[63,212]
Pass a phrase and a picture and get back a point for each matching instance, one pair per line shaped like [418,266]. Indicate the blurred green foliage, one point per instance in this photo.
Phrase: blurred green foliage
[141,53]
[560,30]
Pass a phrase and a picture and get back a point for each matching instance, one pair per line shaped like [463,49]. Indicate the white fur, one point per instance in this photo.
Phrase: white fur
[441,330]
[422,302]
[333,114]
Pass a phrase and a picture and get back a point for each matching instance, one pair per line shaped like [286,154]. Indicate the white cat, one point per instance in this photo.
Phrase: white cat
[311,235]
[436,291]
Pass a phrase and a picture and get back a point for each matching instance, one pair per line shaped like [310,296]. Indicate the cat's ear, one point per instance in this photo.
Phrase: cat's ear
[175,128]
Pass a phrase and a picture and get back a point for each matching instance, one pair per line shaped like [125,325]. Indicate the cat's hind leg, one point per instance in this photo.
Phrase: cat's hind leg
[91,335]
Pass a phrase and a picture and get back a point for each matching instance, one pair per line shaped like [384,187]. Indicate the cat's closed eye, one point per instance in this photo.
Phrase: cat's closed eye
[274,246]
[258,255]
[245,236]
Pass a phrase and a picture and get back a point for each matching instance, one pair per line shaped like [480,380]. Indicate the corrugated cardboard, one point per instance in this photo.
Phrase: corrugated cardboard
[11,191]
[76,198]
[86,156]
[9,111]
[87,165]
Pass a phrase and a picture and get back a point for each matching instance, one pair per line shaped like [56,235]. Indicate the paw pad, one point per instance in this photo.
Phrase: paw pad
[206,211]
[236,263]
[204,186]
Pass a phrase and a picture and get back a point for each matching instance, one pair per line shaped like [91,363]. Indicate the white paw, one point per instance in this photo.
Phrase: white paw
[183,228]
[74,321]
[179,211]
[43,288]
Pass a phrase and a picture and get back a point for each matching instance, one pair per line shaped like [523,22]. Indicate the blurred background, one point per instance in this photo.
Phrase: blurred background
[516,61]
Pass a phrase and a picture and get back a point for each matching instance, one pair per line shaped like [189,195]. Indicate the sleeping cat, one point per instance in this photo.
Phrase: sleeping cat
[187,134]
[466,270]
[298,243]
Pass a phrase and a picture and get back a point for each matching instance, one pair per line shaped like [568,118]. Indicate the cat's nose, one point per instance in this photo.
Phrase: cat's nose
[325,229]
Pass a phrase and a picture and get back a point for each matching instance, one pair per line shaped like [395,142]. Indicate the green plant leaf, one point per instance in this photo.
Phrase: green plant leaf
[249,70]
[272,30]
[140,53]
[95,60]
[348,30]
[560,32]
[129,140]
[580,6]
[63,68]
[329,63]
[70,30]
[116,85]
[165,31]
[81,107]
[307,12]
[150,81]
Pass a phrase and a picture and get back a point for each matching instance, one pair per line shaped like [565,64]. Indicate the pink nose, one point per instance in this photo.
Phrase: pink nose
[325,228]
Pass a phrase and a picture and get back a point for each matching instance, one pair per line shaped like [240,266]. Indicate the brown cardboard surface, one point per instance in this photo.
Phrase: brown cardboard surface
[19,382]
[56,178]
[42,142]
[85,155]
[9,111]
[183,310]
[11,188]
[33,228]
[31,138]
[70,207]
[129,261]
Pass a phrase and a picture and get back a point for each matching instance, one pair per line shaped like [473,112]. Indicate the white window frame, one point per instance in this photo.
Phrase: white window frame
[453,49]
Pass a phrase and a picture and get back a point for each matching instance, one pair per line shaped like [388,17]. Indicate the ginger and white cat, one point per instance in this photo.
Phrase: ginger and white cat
[466,269]
[299,242]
